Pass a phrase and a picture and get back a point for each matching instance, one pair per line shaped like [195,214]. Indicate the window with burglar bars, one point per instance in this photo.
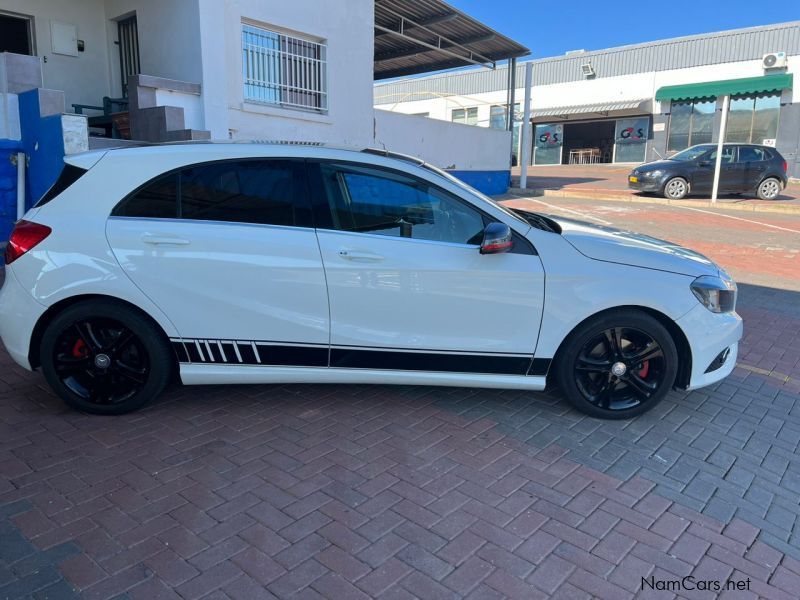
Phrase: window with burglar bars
[284,70]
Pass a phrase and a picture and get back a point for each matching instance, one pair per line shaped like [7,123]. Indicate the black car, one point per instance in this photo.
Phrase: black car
[746,169]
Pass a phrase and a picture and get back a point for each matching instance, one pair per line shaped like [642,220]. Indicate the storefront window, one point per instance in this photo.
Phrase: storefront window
[548,139]
[630,139]
[468,116]
[690,123]
[753,119]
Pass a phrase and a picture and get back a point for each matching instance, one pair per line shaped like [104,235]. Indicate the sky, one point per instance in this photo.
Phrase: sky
[551,28]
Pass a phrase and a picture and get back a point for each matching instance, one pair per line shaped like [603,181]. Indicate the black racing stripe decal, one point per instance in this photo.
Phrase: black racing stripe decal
[423,361]
[247,352]
[540,366]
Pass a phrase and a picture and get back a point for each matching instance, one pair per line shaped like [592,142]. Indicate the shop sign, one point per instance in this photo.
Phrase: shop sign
[632,131]
[549,136]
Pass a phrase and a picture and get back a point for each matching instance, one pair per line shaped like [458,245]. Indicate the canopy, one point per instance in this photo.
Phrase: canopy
[725,87]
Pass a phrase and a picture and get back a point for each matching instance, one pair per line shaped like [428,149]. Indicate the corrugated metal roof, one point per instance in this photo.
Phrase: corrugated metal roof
[677,53]
[576,109]
[438,25]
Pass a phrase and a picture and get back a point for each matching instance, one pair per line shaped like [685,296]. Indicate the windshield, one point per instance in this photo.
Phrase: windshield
[472,190]
[692,153]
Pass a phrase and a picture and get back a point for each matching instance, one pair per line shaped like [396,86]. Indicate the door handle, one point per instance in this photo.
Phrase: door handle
[164,240]
[347,254]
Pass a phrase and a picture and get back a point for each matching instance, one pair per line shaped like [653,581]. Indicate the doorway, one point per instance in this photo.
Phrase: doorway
[16,34]
[128,41]
[597,136]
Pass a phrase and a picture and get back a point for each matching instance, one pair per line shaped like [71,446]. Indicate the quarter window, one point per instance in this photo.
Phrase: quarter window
[690,123]
[267,192]
[367,200]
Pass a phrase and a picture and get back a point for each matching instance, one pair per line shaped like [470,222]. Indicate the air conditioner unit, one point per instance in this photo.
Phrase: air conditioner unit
[588,70]
[774,60]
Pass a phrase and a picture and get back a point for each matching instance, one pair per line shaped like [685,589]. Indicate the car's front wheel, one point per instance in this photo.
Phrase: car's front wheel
[676,188]
[617,365]
[769,189]
[104,357]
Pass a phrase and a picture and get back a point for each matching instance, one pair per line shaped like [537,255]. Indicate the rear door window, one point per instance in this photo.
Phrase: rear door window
[752,154]
[266,192]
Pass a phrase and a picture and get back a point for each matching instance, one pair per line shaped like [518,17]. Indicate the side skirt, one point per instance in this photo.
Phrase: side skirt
[205,374]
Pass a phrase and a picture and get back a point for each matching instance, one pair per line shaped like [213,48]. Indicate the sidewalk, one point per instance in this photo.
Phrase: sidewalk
[609,182]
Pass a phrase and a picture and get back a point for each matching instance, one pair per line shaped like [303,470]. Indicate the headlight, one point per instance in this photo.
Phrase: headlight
[717,294]
[654,174]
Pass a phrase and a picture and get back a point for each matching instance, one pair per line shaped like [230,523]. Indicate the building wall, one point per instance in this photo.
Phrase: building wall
[83,78]
[347,29]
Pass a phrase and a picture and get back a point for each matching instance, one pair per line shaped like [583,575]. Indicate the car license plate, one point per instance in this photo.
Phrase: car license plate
[633,179]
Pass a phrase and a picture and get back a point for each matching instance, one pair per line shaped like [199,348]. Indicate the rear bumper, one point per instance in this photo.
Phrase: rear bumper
[19,313]
[710,334]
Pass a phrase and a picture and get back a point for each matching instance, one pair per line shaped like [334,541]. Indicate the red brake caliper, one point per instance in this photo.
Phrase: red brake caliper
[79,350]
[645,369]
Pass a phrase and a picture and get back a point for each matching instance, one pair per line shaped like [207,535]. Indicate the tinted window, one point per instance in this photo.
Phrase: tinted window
[69,175]
[728,154]
[156,200]
[750,154]
[263,192]
[387,203]
[248,191]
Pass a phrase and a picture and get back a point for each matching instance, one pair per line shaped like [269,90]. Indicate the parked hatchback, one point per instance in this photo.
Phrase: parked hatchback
[259,263]
[745,169]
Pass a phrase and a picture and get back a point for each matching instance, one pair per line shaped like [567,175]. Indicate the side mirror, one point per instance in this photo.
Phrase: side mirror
[496,239]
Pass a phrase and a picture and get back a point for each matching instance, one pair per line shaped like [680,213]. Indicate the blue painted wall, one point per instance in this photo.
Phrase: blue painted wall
[43,142]
[491,183]
[8,187]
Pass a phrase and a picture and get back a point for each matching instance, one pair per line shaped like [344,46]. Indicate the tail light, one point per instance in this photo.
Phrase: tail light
[785,166]
[26,235]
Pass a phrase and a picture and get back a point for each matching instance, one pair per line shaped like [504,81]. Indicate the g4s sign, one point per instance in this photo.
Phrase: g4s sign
[548,136]
[631,131]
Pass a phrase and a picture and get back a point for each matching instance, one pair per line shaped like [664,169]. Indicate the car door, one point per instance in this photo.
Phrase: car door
[753,164]
[407,284]
[228,251]
[703,177]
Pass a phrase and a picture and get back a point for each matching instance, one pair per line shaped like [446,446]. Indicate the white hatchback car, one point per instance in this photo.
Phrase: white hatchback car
[277,263]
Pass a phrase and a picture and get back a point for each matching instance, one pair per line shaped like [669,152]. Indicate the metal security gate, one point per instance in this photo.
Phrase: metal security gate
[128,36]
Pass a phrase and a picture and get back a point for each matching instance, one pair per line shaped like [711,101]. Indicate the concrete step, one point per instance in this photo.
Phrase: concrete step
[102,143]
[185,135]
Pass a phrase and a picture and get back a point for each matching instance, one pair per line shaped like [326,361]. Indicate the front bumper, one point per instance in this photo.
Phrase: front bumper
[19,313]
[710,334]
[644,184]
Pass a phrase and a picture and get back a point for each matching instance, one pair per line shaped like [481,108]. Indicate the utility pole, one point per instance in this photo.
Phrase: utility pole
[525,154]
[726,101]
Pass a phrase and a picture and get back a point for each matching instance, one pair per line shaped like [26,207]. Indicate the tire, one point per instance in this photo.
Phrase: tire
[105,358]
[588,372]
[676,188]
[769,189]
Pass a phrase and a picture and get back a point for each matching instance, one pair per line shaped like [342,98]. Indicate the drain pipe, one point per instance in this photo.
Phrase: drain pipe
[21,163]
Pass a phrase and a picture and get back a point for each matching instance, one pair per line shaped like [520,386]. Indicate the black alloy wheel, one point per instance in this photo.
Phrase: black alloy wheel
[101,361]
[618,364]
[104,357]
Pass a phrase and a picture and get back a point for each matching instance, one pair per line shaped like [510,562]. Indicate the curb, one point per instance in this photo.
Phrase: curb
[793,209]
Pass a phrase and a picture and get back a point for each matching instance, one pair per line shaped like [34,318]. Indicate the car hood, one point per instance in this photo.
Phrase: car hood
[635,249]
[657,164]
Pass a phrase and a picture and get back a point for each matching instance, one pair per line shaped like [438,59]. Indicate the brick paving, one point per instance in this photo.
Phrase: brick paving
[409,492]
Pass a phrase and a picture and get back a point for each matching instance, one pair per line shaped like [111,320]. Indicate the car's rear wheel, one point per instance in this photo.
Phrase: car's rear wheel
[617,365]
[676,188]
[103,357]
[769,189]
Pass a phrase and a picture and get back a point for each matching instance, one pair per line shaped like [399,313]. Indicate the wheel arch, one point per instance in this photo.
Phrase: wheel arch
[61,305]
[677,334]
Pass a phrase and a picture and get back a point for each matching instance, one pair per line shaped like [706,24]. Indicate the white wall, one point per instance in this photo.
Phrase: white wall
[445,145]
[9,117]
[346,28]
[169,39]
[83,78]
